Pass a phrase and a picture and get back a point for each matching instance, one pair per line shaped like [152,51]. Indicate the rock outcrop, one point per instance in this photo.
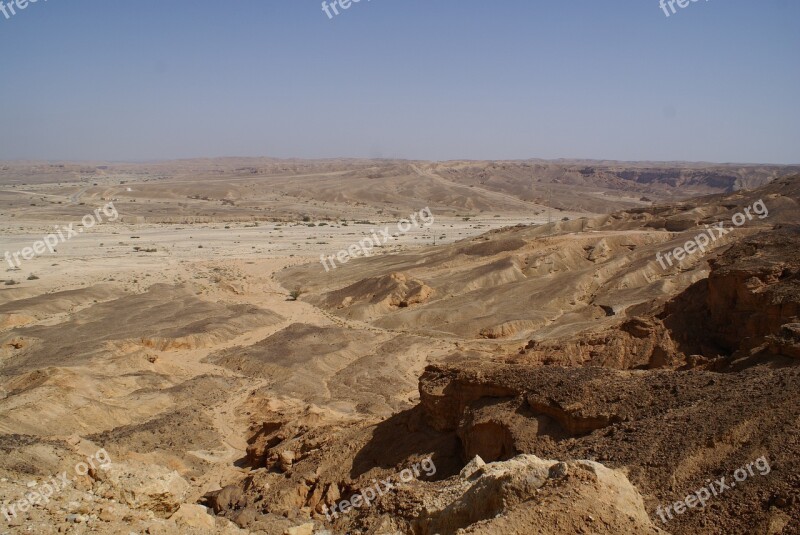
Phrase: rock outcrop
[511,496]
[148,487]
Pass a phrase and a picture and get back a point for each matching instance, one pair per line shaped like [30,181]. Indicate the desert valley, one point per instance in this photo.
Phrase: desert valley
[351,267]
[556,347]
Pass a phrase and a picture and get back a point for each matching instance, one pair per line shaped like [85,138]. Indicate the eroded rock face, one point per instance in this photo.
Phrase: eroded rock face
[492,407]
[787,342]
[751,294]
[148,487]
[259,444]
[445,401]
[672,430]
[754,290]
[491,439]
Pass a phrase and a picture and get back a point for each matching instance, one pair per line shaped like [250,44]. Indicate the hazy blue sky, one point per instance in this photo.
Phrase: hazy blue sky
[421,79]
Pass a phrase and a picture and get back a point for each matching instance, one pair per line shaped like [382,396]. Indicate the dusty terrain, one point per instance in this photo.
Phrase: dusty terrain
[530,328]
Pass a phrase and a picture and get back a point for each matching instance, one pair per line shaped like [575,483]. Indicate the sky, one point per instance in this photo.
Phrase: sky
[114,80]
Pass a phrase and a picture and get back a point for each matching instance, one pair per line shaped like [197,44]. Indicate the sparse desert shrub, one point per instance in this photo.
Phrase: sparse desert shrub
[306,219]
[33,277]
[11,282]
[295,294]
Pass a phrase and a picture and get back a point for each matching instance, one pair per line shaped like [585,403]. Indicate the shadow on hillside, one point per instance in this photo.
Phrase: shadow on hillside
[404,439]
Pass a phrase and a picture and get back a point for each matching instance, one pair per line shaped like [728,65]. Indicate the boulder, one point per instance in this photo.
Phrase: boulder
[194,516]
